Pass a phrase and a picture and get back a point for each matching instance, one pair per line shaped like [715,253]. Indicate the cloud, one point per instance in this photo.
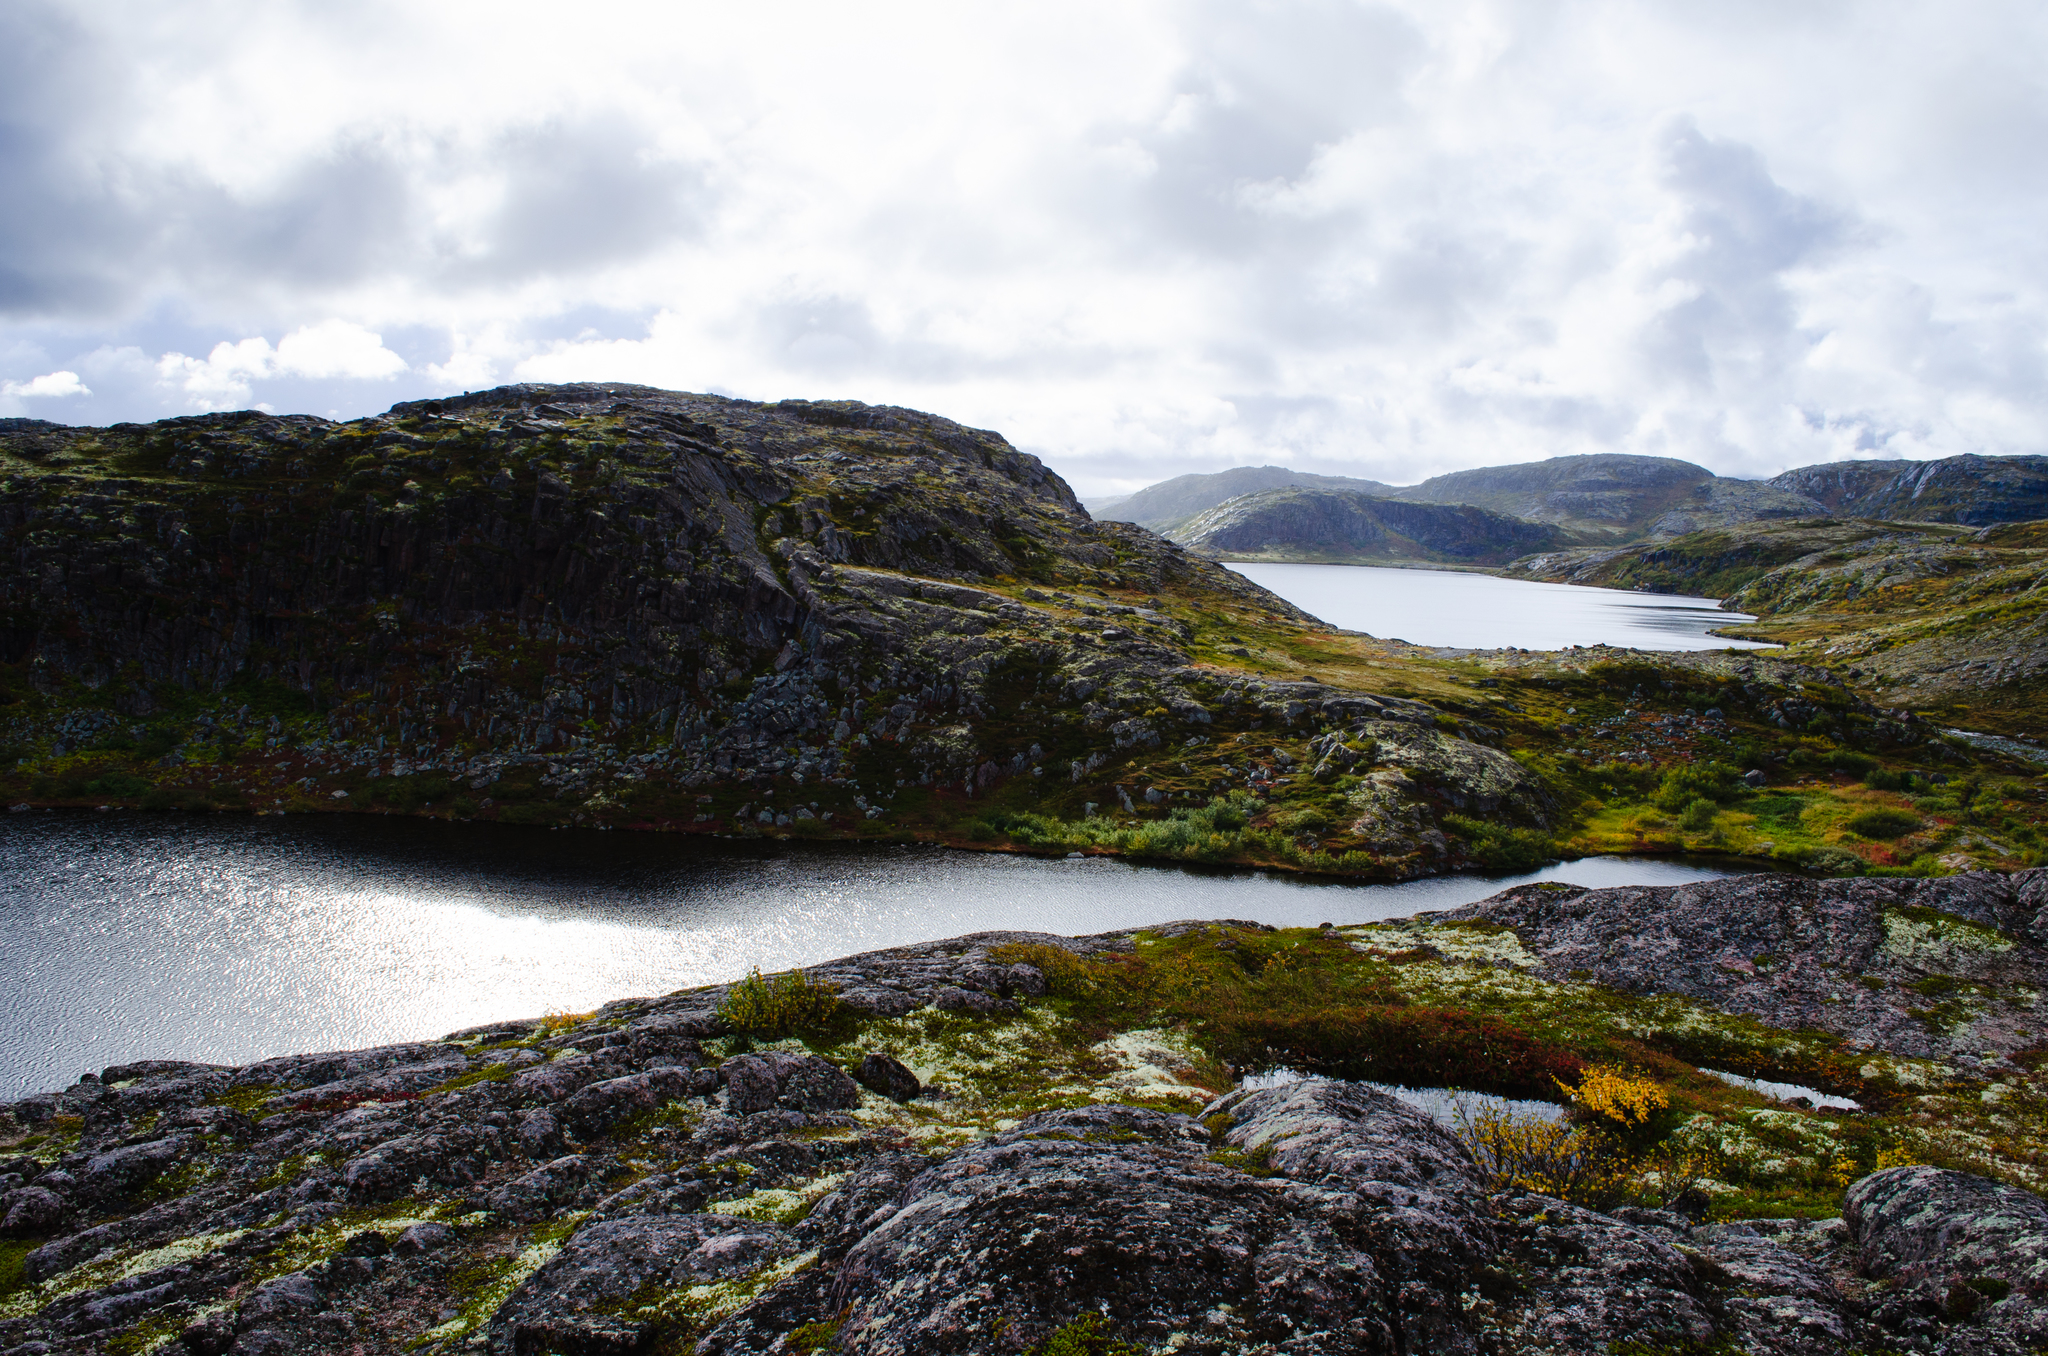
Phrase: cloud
[333,349]
[1379,237]
[49,384]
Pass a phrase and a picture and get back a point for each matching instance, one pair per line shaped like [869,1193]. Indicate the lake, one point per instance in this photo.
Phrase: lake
[1483,611]
[126,935]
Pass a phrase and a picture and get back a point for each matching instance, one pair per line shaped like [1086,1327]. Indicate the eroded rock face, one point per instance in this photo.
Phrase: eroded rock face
[1956,1245]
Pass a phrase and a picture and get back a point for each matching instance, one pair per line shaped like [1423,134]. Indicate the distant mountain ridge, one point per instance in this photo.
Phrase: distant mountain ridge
[1308,522]
[1170,502]
[1609,499]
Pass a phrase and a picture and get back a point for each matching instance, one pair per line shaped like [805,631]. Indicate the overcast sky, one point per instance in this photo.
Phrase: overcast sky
[1379,239]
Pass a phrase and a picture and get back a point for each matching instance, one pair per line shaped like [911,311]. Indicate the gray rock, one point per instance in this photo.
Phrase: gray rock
[540,1192]
[30,1211]
[952,999]
[887,1076]
[423,1238]
[574,1302]
[1930,1230]
[812,1084]
[283,1300]
[1112,1210]
[600,1106]
[750,1084]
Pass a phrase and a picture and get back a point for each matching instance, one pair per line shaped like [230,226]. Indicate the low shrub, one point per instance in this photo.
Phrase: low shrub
[1688,782]
[1699,816]
[782,1005]
[1503,847]
[1882,823]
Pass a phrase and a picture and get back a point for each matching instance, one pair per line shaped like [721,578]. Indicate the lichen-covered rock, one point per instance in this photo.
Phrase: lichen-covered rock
[1112,1210]
[1853,957]
[1956,1243]
[582,1299]
[599,1106]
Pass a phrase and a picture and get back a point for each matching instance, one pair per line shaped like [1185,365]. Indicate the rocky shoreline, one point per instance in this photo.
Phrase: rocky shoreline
[1012,1143]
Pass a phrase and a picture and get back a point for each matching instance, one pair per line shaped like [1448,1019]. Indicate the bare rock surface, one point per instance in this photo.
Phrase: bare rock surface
[641,1181]
[1869,960]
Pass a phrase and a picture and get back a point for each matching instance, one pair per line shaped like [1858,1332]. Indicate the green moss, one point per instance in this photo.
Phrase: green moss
[250,1099]
[13,1253]
[1088,1335]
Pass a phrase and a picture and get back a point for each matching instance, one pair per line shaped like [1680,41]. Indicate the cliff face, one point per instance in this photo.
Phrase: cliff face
[1347,526]
[1973,490]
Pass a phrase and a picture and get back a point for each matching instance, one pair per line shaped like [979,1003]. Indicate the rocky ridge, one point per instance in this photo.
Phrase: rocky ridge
[1346,526]
[970,1162]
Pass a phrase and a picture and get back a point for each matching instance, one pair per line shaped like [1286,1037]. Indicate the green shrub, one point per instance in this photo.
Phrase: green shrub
[1882,823]
[1698,816]
[1503,847]
[1685,784]
[1855,764]
[784,1005]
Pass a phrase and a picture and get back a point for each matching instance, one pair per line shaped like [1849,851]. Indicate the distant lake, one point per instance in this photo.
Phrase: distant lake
[228,938]
[1486,612]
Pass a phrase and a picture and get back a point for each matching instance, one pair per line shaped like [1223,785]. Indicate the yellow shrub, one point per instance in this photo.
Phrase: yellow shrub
[1610,1093]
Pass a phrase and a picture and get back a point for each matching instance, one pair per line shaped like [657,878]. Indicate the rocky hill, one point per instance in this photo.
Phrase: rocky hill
[1163,507]
[1787,1116]
[1936,617]
[617,607]
[1977,491]
[1348,527]
[1604,496]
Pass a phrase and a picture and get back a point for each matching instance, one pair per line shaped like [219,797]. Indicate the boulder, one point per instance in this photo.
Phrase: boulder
[887,1076]
[600,1106]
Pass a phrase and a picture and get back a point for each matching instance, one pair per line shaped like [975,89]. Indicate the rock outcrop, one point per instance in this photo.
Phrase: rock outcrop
[643,1180]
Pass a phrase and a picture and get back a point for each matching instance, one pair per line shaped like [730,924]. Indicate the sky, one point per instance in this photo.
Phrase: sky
[1377,239]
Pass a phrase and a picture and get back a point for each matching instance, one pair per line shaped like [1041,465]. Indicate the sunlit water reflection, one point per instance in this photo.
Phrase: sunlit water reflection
[126,935]
[1483,611]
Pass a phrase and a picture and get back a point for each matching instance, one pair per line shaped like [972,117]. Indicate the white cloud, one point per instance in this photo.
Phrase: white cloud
[331,349]
[49,384]
[1386,237]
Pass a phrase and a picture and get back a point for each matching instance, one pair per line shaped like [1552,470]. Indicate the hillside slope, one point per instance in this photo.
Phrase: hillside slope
[1928,615]
[1347,527]
[1163,507]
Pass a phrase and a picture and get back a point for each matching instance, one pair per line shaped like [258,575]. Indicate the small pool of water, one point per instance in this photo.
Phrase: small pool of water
[224,938]
[1483,611]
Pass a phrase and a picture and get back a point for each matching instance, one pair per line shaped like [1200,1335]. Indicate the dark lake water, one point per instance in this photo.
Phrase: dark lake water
[127,935]
[1483,611]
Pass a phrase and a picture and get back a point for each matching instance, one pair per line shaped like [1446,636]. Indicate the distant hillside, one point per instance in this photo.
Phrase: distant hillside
[1601,497]
[1163,507]
[1930,615]
[1345,526]
[1969,489]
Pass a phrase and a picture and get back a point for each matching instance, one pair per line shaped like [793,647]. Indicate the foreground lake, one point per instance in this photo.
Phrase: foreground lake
[1483,611]
[129,935]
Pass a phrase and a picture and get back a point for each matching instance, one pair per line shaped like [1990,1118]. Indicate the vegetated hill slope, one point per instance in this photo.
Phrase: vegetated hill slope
[1345,526]
[1164,506]
[1927,615]
[1975,490]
